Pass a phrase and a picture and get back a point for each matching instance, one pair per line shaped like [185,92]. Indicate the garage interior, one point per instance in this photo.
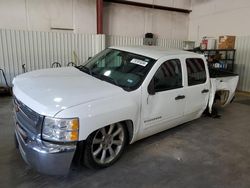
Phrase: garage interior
[207,152]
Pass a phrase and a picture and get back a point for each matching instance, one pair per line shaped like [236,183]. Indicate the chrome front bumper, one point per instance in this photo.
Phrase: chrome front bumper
[45,157]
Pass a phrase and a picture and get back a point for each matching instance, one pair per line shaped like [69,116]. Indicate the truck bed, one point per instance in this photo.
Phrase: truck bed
[217,73]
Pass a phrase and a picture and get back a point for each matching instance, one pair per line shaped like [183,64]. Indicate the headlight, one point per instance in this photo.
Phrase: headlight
[60,130]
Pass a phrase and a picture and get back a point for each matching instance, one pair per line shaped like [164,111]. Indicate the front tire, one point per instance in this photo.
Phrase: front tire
[105,146]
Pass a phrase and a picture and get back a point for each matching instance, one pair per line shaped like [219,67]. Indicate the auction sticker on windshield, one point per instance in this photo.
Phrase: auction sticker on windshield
[139,62]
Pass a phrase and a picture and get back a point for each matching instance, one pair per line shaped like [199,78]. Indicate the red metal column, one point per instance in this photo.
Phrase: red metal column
[99,16]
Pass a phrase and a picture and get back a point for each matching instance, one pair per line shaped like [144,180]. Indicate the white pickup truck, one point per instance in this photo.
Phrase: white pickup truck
[123,94]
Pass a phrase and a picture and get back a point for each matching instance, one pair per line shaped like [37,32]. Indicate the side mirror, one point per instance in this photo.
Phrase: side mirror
[151,87]
[89,58]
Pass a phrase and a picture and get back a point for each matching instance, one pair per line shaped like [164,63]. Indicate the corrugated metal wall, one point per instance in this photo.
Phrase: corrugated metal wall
[40,49]
[242,62]
[136,41]
[170,43]
[123,41]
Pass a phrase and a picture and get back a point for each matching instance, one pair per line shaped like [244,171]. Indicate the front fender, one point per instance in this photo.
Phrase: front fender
[99,113]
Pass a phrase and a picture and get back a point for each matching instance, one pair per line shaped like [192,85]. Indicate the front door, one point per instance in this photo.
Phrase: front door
[163,109]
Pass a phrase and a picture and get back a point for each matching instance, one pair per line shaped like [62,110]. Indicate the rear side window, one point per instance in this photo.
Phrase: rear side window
[168,76]
[196,71]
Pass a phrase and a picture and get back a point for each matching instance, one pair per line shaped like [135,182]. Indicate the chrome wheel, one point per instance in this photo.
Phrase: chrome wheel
[107,143]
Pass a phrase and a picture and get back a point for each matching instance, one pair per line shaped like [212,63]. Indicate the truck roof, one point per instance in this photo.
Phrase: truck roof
[154,52]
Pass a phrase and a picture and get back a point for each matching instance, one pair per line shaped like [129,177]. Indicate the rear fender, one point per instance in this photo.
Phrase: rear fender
[224,87]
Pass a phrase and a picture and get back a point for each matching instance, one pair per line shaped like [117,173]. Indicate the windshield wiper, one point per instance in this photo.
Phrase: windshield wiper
[85,69]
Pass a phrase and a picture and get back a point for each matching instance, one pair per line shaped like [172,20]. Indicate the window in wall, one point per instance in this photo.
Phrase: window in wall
[196,71]
[168,76]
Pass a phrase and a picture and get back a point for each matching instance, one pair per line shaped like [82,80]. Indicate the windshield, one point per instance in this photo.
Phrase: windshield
[124,69]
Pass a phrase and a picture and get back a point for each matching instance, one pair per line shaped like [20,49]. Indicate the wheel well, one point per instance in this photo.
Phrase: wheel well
[221,96]
[81,144]
[130,128]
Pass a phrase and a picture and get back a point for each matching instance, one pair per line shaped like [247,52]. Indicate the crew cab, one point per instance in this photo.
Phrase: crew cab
[123,94]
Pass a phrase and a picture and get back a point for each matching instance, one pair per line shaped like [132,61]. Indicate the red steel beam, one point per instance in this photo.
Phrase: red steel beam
[146,5]
[99,17]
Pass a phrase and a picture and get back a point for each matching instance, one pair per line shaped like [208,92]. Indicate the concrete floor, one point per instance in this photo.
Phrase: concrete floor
[204,153]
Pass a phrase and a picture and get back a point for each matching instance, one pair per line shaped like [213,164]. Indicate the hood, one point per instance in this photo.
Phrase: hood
[49,91]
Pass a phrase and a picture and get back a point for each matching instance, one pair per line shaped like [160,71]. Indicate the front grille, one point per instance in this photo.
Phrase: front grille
[27,119]
[32,115]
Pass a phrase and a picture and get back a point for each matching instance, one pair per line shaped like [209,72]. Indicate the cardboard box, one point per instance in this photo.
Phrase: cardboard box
[226,42]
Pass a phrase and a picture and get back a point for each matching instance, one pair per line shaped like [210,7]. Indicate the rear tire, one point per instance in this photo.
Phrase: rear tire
[105,146]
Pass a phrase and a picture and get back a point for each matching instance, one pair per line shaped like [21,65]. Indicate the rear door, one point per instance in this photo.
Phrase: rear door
[197,87]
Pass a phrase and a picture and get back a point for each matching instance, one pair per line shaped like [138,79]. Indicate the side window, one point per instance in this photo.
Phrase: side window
[196,71]
[168,76]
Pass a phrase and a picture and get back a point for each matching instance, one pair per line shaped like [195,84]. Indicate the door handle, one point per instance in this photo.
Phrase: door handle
[179,97]
[205,91]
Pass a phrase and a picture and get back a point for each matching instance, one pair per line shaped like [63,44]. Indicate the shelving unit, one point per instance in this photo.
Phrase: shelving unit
[222,59]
